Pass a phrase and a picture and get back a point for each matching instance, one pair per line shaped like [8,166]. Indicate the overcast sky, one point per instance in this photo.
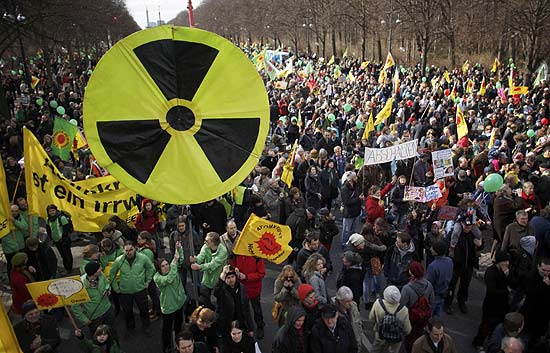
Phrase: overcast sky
[168,9]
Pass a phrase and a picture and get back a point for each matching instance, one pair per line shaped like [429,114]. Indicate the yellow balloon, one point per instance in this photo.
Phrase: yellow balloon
[179,115]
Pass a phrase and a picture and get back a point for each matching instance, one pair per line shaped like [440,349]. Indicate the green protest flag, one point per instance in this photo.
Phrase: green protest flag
[63,137]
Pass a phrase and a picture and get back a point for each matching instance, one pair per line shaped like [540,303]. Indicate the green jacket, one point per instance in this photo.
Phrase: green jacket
[172,294]
[133,278]
[34,221]
[107,260]
[212,264]
[99,300]
[88,346]
[57,227]
[15,240]
[83,264]
[147,252]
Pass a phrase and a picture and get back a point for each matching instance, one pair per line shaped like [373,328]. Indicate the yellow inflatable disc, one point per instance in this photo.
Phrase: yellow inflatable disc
[179,115]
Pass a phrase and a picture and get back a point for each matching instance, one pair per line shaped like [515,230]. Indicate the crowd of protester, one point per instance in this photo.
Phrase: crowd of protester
[400,261]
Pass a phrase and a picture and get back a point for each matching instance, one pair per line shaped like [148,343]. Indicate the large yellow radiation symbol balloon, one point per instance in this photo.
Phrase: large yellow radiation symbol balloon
[179,115]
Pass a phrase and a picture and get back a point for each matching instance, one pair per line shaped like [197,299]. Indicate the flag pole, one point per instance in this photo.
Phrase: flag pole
[190,10]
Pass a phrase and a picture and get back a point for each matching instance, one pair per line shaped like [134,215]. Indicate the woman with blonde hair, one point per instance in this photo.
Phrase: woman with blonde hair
[286,291]
[202,325]
[313,272]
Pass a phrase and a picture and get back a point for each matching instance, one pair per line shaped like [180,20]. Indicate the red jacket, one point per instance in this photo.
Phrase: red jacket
[19,292]
[254,269]
[374,210]
[147,220]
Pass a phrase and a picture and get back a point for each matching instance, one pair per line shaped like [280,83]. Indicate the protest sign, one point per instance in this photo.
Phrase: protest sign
[443,163]
[89,202]
[388,154]
[447,213]
[414,193]
[432,192]
[58,292]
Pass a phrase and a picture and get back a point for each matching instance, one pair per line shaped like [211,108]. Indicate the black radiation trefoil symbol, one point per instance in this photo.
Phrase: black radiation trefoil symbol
[178,68]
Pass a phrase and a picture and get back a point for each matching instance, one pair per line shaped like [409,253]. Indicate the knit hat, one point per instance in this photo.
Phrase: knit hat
[27,306]
[356,239]
[304,290]
[501,256]
[416,269]
[528,244]
[91,268]
[392,294]
[19,259]
[324,211]
[348,176]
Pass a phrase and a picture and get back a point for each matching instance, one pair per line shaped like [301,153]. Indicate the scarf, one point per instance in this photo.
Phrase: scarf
[530,198]
[439,348]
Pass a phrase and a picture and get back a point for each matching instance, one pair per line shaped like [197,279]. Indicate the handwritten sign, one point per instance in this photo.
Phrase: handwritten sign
[414,193]
[432,192]
[58,292]
[443,163]
[398,152]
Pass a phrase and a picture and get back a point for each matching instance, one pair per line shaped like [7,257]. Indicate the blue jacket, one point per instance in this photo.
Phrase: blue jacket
[396,265]
[440,273]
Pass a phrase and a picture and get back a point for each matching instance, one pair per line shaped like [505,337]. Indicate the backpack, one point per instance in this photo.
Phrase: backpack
[420,312]
[67,215]
[390,328]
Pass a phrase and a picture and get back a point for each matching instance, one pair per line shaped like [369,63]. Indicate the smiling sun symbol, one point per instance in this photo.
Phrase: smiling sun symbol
[268,245]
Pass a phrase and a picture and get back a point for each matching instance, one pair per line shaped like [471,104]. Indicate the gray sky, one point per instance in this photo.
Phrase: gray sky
[168,9]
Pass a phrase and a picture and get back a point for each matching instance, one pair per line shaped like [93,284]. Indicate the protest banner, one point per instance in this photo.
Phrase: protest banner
[414,193]
[388,154]
[264,239]
[8,340]
[447,213]
[89,202]
[5,210]
[59,292]
[443,163]
[432,192]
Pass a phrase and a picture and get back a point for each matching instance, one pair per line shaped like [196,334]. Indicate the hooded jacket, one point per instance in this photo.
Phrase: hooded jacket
[288,339]
[99,302]
[212,264]
[254,270]
[396,265]
[414,290]
[134,277]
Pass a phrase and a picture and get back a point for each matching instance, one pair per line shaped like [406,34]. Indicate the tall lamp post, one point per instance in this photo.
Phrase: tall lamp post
[308,27]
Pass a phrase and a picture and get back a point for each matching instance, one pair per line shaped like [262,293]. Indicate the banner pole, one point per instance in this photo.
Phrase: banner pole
[16,186]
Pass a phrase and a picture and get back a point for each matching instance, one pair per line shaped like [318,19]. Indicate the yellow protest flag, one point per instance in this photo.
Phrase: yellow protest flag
[493,137]
[331,60]
[396,82]
[384,113]
[461,126]
[58,292]
[511,78]
[382,77]
[518,90]
[34,81]
[496,64]
[8,340]
[453,93]
[447,77]
[5,211]
[238,194]
[364,65]
[264,239]
[483,87]
[288,168]
[90,202]
[465,67]
[345,55]
[389,62]
[132,216]
[369,127]
[350,77]
[469,86]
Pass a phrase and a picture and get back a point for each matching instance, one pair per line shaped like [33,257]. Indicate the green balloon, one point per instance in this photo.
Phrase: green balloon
[20,72]
[331,117]
[74,122]
[89,72]
[530,133]
[493,182]
[403,70]
[13,72]
[39,101]
[498,85]
[60,110]
[510,60]
[347,107]
[359,124]
[423,79]
[53,104]
[512,65]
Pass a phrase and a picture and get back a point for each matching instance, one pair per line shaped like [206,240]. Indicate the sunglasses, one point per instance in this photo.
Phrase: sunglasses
[289,279]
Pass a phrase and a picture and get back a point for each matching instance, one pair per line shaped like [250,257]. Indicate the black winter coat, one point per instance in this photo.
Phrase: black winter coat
[495,304]
[535,309]
[228,309]
[351,201]
[342,341]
